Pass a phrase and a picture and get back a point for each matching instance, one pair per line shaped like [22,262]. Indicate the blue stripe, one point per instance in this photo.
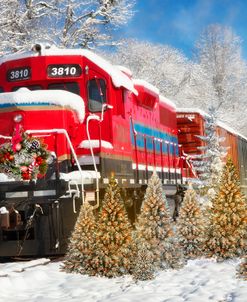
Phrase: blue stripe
[150,133]
[5,105]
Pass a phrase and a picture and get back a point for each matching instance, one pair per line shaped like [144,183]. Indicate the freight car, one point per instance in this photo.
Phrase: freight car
[96,121]
[191,123]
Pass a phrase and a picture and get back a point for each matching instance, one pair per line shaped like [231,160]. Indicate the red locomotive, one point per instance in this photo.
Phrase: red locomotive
[96,121]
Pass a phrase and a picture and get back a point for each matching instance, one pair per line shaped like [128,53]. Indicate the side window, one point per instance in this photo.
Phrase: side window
[96,94]
[1,89]
[69,86]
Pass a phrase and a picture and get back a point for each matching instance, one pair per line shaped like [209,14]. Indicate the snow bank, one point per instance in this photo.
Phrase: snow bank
[119,79]
[199,281]
[54,97]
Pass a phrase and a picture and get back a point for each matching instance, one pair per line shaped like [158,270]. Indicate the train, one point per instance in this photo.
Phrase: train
[191,125]
[96,121]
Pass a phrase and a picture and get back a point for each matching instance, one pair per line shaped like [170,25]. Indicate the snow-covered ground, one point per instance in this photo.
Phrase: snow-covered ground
[199,281]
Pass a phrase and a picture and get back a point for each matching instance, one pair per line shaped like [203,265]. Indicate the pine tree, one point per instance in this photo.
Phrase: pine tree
[143,268]
[173,257]
[113,236]
[242,269]
[191,226]
[227,217]
[153,224]
[209,163]
[81,247]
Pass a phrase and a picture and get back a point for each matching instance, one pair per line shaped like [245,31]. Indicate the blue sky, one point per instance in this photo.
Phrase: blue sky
[178,23]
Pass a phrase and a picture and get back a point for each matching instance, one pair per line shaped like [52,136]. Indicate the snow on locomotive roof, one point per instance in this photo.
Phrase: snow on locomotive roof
[167,101]
[55,97]
[125,70]
[147,85]
[119,79]
[219,123]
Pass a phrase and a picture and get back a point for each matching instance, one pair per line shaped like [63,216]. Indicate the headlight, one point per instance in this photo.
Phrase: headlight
[18,118]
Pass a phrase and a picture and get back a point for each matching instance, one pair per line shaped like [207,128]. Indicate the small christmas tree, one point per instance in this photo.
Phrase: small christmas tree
[242,269]
[113,236]
[191,226]
[173,256]
[143,268]
[153,224]
[227,217]
[81,246]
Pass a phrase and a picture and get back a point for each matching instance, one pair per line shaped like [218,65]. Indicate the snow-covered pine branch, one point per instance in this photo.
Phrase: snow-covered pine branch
[68,23]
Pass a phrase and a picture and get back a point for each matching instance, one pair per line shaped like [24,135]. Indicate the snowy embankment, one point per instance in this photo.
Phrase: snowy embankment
[199,281]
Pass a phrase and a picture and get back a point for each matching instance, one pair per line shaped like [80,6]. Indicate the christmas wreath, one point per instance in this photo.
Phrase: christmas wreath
[24,157]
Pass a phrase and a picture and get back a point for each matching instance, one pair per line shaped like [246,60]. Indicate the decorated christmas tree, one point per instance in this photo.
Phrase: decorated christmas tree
[113,236]
[227,217]
[82,243]
[191,226]
[242,269]
[153,224]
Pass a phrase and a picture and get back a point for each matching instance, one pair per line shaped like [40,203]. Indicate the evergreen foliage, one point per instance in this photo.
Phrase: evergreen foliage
[227,217]
[191,226]
[153,224]
[68,23]
[242,269]
[143,267]
[82,241]
[113,236]
[173,257]
[209,164]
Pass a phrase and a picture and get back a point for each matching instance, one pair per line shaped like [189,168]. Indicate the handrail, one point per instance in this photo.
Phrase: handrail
[63,131]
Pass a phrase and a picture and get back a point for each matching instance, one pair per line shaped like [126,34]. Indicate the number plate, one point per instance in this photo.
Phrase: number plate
[19,74]
[64,71]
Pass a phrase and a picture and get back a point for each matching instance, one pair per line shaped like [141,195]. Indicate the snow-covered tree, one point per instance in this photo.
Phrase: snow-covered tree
[227,217]
[82,243]
[191,226]
[219,75]
[68,23]
[113,236]
[209,163]
[161,65]
[143,266]
[153,225]
[173,257]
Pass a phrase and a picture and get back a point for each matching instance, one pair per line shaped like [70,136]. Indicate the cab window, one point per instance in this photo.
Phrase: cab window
[69,86]
[1,89]
[96,94]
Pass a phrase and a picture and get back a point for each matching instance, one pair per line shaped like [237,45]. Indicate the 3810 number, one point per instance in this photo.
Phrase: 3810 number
[65,70]
[19,74]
